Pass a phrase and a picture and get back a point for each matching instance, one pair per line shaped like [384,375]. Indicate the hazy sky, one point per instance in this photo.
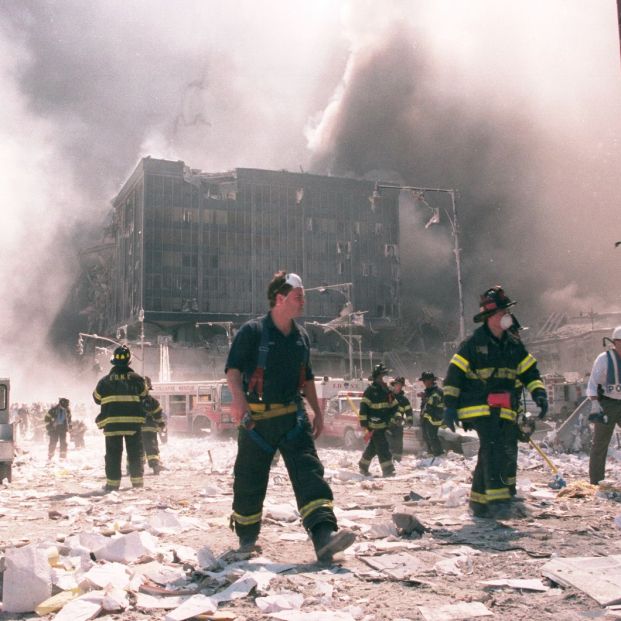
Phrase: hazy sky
[517,105]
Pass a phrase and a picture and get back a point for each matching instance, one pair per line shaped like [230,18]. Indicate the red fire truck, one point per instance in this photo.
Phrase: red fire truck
[200,407]
[195,407]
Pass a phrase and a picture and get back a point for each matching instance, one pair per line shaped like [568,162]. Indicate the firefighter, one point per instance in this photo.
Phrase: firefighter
[268,371]
[120,394]
[377,409]
[58,423]
[431,412]
[78,429]
[479,391]
[154,424]
[404,417]
[604,391]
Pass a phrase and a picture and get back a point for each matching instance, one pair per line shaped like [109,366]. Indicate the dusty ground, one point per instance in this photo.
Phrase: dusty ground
[46,503]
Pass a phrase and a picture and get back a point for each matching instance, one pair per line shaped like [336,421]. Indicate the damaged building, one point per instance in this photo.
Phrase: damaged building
[189,254]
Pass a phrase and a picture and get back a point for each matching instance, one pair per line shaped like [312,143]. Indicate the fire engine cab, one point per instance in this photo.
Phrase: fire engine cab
[340,400]
[195,407]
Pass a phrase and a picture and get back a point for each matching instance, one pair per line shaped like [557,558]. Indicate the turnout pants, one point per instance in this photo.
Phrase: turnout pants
[252,467]
[488,480]
[58,435]
[378,445]
[114,457]
[430,434]
[601,439]
[510,433]
[395,441]
[151,447]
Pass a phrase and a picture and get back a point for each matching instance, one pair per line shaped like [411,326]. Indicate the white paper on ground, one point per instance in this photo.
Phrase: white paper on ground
[240,588]
[115,599]
[195,605]
[27,579]
[164,574]
[84,608]
[115,574]
[127,548]
[455,612]
[150,602]
[526,584]
[165,522]
[287,600]
[206,558]
[317,615]
[283,512]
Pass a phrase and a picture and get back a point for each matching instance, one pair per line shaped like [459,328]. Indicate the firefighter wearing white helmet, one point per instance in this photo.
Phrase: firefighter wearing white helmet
[604,390]
[269,371]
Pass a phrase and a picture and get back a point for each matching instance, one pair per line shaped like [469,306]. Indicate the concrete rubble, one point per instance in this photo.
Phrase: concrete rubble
[166,552]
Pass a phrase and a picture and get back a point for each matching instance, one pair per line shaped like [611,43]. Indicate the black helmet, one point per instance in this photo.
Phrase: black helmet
[427,375]
[492,300]
[378,370]
[398,380]
[63,401]
[121,356]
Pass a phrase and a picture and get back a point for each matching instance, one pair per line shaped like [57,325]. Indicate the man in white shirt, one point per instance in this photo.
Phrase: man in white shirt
[604,390]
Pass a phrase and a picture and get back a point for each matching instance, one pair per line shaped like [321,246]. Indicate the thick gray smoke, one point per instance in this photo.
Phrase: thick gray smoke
[505,106]
[515,107]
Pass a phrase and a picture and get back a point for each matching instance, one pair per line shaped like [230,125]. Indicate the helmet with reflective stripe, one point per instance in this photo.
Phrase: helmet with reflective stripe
[121,356]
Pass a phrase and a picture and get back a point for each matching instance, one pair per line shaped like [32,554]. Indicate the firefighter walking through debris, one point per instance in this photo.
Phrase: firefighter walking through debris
[377,409]
[404,417]
[153,424]
[58,423]
[120,394]
[431,412]
[268,369]
[479,391]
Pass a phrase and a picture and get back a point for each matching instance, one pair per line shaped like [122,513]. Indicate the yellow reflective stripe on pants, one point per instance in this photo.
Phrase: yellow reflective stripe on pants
[476,497]
[245,520]
[110,434]
[308,508]
[502,493]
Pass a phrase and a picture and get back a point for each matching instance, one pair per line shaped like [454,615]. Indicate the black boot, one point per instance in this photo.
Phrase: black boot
[327,541]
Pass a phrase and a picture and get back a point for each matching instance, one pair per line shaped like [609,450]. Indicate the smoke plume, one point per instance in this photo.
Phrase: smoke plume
[516,107]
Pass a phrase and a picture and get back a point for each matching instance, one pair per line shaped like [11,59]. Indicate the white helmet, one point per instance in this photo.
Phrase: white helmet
[616,334]
[295,281]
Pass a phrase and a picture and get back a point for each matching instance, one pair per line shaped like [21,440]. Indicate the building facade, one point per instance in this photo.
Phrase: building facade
[193,247]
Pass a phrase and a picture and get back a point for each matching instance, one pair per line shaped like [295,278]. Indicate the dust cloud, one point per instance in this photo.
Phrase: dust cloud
[517,107]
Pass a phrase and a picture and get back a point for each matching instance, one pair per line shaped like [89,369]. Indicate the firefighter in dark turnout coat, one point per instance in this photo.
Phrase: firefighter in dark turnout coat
[154,424]
[120,395]
[404,417]
[377,409]
[431,412]
[479,391]
[268,369]
[57,423]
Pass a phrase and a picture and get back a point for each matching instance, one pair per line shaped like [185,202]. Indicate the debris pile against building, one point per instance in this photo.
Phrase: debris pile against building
[166,551]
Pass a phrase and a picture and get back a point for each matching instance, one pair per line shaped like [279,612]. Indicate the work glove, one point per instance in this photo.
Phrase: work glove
[597,414]
[541,400]
[450,418]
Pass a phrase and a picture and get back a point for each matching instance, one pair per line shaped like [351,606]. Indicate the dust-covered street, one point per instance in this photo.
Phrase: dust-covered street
[187,546]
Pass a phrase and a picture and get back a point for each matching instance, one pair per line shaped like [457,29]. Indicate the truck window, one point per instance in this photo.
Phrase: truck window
[3,393]
[177,405]
[226,396]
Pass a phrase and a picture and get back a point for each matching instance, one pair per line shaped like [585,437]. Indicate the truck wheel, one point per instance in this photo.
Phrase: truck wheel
[201,426]
[350,441]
